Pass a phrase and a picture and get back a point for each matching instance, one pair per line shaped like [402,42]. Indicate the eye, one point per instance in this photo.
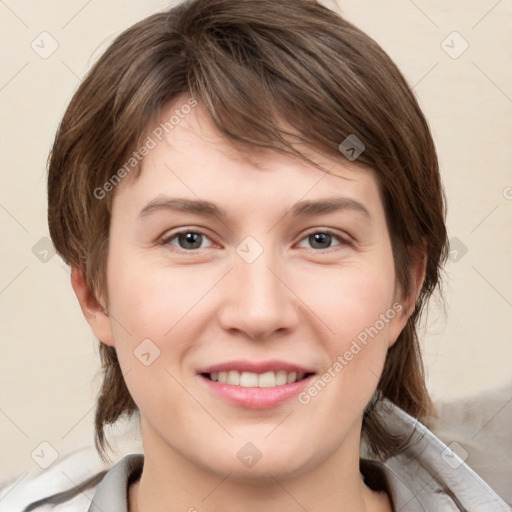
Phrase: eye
[322,239]
[188,240]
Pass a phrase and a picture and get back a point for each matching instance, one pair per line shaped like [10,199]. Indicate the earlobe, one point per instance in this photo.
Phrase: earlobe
[95,314]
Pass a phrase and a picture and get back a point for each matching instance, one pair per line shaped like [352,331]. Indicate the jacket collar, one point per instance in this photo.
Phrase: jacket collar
[428,475]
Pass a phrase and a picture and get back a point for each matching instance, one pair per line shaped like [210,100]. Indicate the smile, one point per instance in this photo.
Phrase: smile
[256,385]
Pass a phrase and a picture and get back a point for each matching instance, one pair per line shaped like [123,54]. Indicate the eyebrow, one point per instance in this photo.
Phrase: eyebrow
[209,209]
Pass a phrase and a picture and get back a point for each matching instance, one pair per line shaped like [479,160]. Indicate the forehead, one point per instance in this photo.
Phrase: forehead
[193,159]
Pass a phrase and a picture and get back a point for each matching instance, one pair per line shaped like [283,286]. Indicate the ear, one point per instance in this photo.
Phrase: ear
[407,302]
[95,314]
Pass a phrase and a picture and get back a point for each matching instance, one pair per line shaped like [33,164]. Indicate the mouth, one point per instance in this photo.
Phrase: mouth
[256,385]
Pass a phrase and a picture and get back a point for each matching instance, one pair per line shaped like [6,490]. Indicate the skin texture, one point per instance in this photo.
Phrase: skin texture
[298,302]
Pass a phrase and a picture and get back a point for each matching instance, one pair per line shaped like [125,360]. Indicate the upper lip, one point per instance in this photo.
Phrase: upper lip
[273,365]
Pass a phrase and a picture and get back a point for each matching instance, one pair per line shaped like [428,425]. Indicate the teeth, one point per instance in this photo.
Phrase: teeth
[254,380]
[247,380]
[233,378]
[267,380]
[281,378]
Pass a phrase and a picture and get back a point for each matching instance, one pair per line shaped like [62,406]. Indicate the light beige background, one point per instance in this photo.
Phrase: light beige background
[48,356]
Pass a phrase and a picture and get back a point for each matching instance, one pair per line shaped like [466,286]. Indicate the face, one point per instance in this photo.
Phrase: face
[282,285]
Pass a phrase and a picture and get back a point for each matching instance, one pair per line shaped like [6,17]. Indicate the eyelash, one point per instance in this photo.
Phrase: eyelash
[342,241]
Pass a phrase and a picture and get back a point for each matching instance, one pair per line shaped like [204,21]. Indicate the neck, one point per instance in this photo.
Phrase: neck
[172,483]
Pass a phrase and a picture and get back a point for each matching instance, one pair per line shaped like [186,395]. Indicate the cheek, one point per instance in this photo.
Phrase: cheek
[151,302]
[148,308]
[356,304]
[157,315]
[352,299]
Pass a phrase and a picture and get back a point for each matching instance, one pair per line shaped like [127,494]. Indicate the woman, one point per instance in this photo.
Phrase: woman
[274,361]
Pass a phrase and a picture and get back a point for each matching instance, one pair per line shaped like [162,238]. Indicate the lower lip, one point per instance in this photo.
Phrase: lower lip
[256,398]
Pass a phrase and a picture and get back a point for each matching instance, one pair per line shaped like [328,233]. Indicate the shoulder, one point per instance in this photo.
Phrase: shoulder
[430,476]
[71,482]
[477,426]
[112,493]
[64,479]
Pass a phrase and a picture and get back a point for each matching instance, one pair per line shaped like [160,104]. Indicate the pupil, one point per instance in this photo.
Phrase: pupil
[321,239]
[191,238]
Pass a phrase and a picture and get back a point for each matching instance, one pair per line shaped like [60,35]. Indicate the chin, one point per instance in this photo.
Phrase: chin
[261,461]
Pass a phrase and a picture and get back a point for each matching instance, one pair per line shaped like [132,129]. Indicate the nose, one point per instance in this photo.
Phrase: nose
[260,303]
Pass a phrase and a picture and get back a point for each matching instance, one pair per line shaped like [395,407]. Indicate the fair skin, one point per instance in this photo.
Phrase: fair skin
[201,303]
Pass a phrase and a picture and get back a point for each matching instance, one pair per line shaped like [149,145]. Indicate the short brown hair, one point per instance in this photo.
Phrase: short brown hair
[253,63]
